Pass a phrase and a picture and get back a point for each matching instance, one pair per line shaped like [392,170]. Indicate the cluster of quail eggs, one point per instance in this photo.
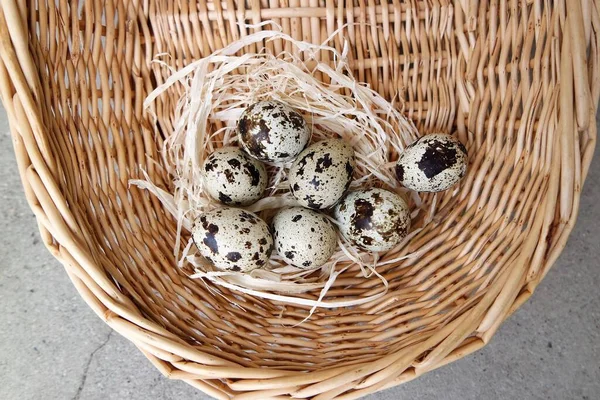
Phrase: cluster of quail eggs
[372,219]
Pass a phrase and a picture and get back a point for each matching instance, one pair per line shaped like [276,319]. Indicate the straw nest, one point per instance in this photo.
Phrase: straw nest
[217,89]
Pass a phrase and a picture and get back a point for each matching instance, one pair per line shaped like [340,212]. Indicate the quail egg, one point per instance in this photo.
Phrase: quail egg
[273,132]
[373,219]
[233,239]
[233,178]
[322,173]
[303,237]
[433,163]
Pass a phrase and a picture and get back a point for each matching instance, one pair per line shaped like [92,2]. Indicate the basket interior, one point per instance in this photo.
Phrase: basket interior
[491,76]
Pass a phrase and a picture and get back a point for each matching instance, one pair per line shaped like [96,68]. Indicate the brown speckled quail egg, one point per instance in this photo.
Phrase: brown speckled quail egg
[233,178]
[273,132]
[303,237]
[322,173]
[233,239]
[433,163]
[373,219]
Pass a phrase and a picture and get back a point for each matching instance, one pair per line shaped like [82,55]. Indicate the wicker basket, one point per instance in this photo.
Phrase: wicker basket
[517,80]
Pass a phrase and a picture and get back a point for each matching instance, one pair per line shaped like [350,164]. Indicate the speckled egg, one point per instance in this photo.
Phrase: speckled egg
[233,178]
[273,132]
[373,219]
[303,237]
[433,163]
[322,173]
[233,239]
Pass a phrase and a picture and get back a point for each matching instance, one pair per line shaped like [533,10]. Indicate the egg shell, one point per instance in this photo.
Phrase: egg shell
[233,239]
[272,131]
[433,163]
[373,219]
[234,178]
[322,173]
[303,237]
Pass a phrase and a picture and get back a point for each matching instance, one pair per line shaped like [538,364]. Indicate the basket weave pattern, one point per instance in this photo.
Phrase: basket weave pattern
[517,80]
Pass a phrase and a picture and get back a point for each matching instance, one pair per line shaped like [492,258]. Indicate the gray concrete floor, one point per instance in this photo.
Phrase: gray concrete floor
[52,346]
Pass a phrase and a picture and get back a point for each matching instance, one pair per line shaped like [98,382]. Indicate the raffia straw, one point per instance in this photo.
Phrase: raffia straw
[217,90]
